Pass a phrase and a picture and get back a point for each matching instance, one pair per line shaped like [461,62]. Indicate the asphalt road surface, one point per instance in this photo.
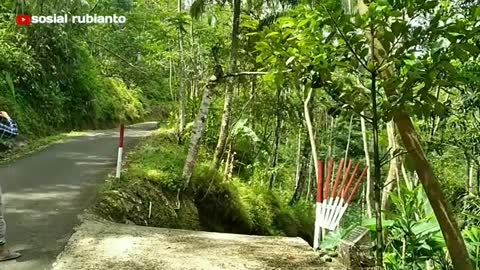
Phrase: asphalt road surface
[44,192]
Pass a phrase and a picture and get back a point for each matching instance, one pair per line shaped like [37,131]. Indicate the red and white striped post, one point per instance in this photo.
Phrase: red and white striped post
[331,207]
[333,198]
[326,193]
[344,187]
[319,206]
[333,224]
[121,140]
[338,199]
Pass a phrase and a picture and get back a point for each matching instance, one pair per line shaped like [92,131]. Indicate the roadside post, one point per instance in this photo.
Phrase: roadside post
[334,197]
[121,140]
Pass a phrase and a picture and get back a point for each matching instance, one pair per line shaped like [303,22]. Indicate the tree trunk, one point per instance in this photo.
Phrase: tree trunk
[275,152]
[193,92]
[406,178]
[181,92]
[227,107]
[308,107]
[478,180]
[311,137]
[308,122]
[349,137]
[230,161]
[469,188]
[378,183]
[252,96]
[170,80]
[198,129]
[393,167]
[368,186]
[277,141]
[227,164]
[299,147]
[450,230]
[331,142]
[222,137]
[302,177]
[310,176]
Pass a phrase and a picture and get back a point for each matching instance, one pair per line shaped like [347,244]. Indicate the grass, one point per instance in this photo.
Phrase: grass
[158,159]
[32,146]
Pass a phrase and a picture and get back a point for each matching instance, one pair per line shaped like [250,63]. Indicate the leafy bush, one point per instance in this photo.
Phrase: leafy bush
[413,237]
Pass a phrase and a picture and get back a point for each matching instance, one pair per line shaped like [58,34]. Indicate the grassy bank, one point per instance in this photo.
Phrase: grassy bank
[146,195]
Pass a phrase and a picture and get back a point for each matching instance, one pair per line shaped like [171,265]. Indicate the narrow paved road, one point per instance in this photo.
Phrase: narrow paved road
[43,193]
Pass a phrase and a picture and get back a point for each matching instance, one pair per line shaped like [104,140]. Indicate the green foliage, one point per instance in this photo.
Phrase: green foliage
[332,239]
[424,66]
[241,129]
[470,210]
[129,201]
[119,103]
[472,239]
[268,214]
[413,235]
[259,204]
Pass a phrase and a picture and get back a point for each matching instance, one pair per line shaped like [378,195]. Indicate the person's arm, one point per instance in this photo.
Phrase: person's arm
[8,129]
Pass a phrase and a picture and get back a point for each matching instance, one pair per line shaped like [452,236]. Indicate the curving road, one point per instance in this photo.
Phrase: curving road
[43,193]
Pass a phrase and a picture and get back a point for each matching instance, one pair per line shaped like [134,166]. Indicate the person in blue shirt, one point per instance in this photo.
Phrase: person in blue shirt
[8,129]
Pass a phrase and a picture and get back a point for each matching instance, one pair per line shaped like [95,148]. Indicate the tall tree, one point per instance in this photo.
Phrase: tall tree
[199,126]
[276,150]
[368,186]
[393,172]
[443,212]
[227,106]
[181,90]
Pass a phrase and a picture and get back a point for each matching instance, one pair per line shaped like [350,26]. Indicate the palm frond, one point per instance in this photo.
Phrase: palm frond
[198,8]
[471,209]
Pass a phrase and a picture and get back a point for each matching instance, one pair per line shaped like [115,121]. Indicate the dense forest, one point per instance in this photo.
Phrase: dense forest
[252,93]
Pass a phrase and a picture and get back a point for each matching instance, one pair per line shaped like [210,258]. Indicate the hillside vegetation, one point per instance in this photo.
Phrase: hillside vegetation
[151,180]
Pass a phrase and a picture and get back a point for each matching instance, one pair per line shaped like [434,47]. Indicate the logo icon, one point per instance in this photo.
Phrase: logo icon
[24,20]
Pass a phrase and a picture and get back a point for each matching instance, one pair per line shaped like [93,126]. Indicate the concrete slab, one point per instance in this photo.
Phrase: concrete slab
[103,245]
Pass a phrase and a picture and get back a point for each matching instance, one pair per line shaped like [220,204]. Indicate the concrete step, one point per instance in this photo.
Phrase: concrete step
[102,245]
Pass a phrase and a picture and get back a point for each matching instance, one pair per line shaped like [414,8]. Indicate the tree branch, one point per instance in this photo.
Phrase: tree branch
[116,55]
[246,73]
[251,73]
[345,39]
